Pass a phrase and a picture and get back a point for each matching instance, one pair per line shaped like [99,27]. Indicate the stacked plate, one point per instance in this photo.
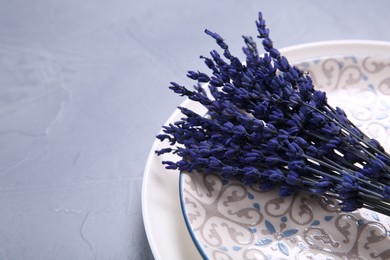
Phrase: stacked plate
[193,216]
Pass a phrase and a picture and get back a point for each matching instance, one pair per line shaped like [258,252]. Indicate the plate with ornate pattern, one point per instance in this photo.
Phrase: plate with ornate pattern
[228,220]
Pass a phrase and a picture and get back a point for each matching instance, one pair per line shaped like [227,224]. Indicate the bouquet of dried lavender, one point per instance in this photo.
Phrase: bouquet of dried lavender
[267,125]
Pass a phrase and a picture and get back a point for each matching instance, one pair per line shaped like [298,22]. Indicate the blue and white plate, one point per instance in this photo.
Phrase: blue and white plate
[228,220]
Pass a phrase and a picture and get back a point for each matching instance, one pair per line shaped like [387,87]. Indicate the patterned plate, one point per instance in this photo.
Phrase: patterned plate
[228,220]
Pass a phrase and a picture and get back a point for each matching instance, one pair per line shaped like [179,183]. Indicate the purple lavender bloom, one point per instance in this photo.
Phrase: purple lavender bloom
[267,125]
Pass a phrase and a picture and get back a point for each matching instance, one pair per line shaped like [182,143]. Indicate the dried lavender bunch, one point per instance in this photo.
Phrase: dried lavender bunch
[267,125]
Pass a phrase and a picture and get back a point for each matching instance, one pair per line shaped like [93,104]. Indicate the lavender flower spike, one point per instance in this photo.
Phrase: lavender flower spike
[267,125]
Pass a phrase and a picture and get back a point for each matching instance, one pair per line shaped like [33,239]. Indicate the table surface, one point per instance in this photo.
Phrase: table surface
[83,91]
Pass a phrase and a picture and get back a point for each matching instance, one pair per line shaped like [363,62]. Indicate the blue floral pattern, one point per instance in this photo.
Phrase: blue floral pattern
[229,220]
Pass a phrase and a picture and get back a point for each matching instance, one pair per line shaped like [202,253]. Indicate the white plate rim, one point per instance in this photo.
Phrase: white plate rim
[164,223]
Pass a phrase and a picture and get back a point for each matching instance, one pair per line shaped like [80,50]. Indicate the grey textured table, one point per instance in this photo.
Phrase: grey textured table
[83,91]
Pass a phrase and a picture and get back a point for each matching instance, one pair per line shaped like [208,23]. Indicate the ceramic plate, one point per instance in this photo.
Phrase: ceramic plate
[228,220]
[161,206]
